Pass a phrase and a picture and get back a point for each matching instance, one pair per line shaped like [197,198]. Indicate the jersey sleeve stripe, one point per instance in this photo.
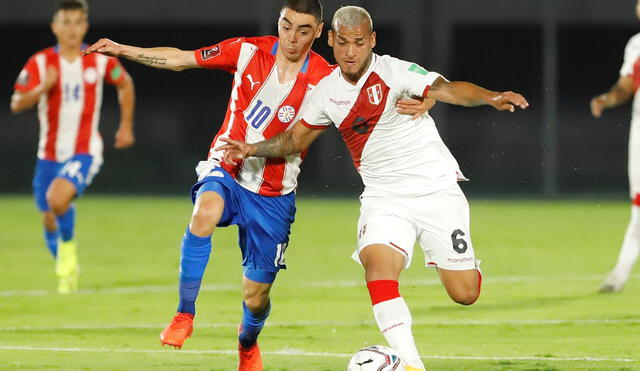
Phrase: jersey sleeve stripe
[313,127]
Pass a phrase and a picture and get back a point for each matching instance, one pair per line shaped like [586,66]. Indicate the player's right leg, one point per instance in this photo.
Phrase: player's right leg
[383,265]
[213,206]
[44,174]
[385,248]
[195,250]
[629,252]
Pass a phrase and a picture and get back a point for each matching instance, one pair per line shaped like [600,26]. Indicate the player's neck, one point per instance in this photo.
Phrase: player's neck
[70,52]
[288,70]
[354,78]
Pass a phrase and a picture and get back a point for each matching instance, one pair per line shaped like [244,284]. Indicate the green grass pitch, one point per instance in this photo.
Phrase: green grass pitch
[539,310]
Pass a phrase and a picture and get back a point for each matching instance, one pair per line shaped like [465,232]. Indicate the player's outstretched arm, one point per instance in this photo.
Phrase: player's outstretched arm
[619,93]
[127,100]
[22,101]
[164,58]
[286,143]
[470,95]
[414,106]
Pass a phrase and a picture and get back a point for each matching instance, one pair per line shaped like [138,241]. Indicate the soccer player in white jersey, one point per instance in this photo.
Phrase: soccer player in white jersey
[410,177]
[272,78]
[623,91]
[67,87]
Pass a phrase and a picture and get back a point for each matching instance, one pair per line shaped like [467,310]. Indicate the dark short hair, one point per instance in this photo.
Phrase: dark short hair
[311,7]
[72,5]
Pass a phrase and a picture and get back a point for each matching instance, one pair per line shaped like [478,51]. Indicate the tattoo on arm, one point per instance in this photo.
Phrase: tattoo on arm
[279,146]
[150,61]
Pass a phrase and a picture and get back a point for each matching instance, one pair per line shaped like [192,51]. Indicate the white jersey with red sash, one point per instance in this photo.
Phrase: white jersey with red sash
[70,112]
[260,107]
[395,156]
[631,67]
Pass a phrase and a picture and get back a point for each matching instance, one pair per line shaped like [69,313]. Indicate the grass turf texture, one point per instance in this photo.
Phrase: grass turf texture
[539,309]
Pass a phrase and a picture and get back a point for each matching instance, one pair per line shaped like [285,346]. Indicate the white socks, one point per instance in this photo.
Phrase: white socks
[394,320]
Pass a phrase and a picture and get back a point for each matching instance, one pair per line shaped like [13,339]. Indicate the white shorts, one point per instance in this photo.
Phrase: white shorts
[439,221]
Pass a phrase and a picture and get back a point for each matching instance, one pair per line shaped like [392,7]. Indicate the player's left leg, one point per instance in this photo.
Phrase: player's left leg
[463,286]
[73,178]
[446,241]
[264,237]
[256,307]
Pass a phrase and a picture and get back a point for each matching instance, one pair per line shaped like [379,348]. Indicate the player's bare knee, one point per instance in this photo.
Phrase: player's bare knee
[204,219]
[256,302]
[465,297]
[57,204]
[206,214]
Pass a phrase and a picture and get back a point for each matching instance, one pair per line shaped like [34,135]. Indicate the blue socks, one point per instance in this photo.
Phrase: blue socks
[51,240]
[66,223]
[252,324]
[194,257]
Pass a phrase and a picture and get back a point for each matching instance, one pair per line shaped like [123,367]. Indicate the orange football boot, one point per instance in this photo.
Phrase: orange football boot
[250,359]
[179,330]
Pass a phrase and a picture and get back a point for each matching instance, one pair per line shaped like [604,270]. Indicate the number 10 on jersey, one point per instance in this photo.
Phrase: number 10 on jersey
[257,114]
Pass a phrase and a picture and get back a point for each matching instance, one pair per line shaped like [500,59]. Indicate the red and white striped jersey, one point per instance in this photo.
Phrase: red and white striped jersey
[395,156]
[70,112]
[261,107]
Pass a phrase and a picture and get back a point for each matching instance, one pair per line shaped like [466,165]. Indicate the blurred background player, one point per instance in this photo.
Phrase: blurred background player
[410,177]
[623,91]
[67,87]
[272,76]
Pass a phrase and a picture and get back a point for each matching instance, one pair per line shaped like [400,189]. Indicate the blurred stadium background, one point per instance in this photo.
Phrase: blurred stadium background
[543,260]
[557,53]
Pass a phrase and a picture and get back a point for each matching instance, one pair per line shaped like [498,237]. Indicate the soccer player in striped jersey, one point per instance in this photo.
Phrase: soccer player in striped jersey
[67,88]
[272,78]
[624,90]
[411,192]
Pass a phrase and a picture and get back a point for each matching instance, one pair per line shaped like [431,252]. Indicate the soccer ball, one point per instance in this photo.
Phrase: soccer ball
[376,358]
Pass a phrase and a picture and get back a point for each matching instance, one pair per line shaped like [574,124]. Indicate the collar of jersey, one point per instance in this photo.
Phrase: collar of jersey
[305,66]
[57,47]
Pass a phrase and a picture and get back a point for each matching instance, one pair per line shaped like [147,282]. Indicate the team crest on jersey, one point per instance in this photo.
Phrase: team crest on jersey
[210,53]
[23,78]
[90,75]
[375,94]
[286,114]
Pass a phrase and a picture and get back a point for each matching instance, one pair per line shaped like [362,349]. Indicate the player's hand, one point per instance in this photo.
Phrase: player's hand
[598,105]
[235,150]
[106,47]
[50,79]
[124,138]
[508,101]
[416,106]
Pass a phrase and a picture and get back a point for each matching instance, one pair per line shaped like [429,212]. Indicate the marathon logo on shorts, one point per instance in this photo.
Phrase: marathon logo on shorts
[210,53]
[375,94]
[459,260]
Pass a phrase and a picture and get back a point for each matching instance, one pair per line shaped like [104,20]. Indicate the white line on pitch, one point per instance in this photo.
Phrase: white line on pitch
[317,284]
[552,322]
[297,352]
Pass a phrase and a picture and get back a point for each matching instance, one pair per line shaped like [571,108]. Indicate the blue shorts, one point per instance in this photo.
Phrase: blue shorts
[264,223]
[79,170]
